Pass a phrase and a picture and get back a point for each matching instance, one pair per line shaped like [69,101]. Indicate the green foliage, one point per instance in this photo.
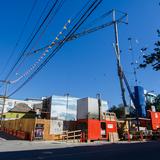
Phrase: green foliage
[157,103]
[119,111]
[121,130]
[153,58]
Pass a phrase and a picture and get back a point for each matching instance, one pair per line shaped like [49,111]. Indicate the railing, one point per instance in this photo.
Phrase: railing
[110,116]
[72,135]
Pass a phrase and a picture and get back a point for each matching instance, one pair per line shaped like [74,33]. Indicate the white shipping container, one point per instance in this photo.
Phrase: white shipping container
[87,107]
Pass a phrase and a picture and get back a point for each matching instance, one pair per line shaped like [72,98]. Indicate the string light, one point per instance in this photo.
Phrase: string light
[43,54]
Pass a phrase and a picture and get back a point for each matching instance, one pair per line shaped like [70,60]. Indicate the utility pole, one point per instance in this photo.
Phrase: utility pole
[67,95]
[117,51]
[4,98]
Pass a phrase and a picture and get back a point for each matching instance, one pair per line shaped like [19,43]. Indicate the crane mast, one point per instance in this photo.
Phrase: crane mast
[117,51]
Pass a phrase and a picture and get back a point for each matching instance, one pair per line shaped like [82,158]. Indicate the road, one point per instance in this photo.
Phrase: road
[24,150]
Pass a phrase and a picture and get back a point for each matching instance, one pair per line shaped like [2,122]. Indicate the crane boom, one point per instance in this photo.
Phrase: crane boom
[84,33]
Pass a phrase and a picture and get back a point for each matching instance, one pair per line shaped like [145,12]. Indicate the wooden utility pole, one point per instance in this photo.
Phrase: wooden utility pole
[4,99]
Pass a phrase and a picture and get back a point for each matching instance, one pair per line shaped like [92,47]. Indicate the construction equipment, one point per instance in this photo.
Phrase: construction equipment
[89,30]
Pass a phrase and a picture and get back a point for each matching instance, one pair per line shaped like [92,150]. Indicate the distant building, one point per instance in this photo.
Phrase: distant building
[149,96]
[11,103]
[19,111]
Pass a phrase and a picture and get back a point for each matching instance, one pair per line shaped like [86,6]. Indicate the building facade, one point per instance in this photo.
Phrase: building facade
[11,103]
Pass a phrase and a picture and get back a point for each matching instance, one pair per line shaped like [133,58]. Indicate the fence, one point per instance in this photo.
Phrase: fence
[72,135]
[25,129]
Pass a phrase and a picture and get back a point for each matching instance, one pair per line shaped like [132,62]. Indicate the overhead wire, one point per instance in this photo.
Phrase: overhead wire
[85,31]
[51,19]
[58,8]
[41,34]
[27,46]
[19,37]
[49,47]
[42,56]
[77,25]
[37,50]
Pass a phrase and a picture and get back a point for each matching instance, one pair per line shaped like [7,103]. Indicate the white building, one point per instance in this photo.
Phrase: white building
[11,103]
[149,96]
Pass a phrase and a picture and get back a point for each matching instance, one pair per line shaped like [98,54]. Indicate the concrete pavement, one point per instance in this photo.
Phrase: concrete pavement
[25,150]
[134,151]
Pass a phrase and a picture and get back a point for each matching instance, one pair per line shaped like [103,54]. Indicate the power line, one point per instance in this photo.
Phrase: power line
[19,37]
[51,19]
[43,55]
[49,46]
[27,46]
[42,33]
[81,20]
[73,37]
[86,30]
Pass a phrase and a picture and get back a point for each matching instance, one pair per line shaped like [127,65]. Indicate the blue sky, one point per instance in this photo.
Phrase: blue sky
[86,66]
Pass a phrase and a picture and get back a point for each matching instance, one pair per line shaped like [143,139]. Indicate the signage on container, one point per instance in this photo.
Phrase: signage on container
[110,126]
[156,115]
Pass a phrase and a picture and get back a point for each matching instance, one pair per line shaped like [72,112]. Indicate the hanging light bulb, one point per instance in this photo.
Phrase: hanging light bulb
[53,43]
[57,38]
[50,47]
[69,21]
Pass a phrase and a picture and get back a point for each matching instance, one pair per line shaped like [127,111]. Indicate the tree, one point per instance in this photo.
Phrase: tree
[119,111]
[157,103]
[153,58]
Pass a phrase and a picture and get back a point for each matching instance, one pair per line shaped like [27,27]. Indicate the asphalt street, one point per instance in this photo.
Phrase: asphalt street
[24,150]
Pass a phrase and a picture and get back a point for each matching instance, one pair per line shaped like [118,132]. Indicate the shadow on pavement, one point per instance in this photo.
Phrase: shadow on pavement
[6,136]
[140,151]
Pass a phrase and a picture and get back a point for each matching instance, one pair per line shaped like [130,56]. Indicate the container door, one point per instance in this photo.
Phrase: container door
[103,130]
